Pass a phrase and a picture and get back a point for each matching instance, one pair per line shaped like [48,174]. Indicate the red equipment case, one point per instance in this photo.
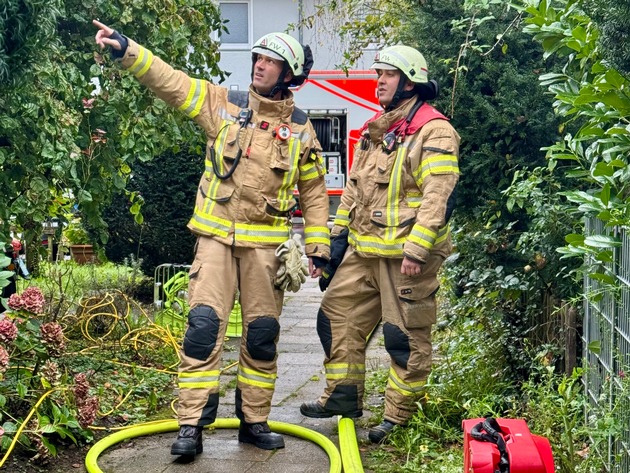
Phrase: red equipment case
[527,453]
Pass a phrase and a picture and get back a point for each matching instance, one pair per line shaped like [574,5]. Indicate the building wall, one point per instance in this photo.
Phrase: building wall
[276,15]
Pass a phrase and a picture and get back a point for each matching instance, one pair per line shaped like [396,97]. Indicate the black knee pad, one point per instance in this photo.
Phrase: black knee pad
[261,338]
[324,331]
[201,335]
[396,344]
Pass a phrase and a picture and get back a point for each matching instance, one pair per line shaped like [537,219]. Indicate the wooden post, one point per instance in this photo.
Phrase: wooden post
[569,314]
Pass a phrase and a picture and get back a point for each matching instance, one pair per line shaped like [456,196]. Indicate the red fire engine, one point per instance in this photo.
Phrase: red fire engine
[338,106]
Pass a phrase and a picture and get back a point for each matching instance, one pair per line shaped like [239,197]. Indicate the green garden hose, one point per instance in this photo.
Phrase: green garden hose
[171,425]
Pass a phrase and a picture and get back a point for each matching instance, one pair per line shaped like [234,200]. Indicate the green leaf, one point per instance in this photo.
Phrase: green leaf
[21,389]
[604,195]
[575,239]
[595,346]
[48,428]
[603,169]
[9,427]
[605,278]
[602,241]
[49,446]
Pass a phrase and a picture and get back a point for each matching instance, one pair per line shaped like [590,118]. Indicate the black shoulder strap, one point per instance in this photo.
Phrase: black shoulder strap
[240,98]
[298,116]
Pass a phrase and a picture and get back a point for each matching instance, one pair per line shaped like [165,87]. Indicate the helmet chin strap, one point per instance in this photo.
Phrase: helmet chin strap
[400,93]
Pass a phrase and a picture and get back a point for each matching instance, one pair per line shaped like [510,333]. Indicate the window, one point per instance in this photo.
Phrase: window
[238,16]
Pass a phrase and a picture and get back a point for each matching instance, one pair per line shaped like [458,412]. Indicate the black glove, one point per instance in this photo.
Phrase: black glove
[123,43]
[338,248]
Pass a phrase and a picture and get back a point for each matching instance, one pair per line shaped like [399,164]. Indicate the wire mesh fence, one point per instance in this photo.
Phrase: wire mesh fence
[606,341]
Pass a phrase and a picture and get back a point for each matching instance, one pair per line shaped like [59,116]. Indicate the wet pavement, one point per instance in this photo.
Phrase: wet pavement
[300,378]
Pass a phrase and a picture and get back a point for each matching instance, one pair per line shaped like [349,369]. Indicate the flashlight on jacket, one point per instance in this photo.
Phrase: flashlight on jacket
[389,142]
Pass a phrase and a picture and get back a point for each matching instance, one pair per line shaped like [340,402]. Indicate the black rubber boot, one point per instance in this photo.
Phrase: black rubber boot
[189,442]
[260,435]
[378,433]
[316,410]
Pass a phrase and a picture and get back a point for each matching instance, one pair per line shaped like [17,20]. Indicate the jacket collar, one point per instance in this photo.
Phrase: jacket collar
[382,122]
[275,108]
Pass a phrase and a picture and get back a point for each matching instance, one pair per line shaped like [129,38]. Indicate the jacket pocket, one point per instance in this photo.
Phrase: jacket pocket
[278,208]
[384,164]
[384,218]
[231,146]
[281,158]
[358,160]
[417,303]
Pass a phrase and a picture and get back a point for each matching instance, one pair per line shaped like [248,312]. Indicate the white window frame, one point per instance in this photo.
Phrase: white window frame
[250,28]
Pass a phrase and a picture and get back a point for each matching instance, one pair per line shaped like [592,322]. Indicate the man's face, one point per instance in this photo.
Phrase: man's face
[387,84]
[266,73]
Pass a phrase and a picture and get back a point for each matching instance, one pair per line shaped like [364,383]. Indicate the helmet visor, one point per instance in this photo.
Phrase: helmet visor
[384,66]
[267,52]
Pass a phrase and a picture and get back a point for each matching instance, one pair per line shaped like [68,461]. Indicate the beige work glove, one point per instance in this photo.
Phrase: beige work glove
[292,271]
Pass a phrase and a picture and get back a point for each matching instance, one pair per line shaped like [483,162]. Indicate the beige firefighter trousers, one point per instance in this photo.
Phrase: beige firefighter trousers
[364,291]
[215,274]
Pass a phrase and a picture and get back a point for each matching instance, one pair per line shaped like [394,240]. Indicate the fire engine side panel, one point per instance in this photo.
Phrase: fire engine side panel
[333,91]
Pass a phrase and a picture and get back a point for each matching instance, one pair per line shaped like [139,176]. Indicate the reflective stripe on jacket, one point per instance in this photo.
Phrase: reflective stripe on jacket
[395,204]
[251,207]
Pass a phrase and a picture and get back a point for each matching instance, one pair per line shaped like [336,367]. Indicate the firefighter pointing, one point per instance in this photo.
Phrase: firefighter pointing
[241,218]
[391,236]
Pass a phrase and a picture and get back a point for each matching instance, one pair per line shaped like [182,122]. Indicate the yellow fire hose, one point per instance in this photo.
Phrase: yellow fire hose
[171,425]
[350,456]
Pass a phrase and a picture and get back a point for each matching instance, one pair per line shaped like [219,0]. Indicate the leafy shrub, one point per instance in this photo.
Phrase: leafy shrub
[167,185]
[42,397]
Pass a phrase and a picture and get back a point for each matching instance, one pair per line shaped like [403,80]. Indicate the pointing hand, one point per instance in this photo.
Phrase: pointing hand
[103,36]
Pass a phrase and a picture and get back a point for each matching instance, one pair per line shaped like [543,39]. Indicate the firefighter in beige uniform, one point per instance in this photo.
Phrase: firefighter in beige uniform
[395,208]
[259,147]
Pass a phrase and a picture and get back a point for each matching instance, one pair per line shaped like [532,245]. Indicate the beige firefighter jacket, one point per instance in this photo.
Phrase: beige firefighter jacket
[395,204]
[250,208]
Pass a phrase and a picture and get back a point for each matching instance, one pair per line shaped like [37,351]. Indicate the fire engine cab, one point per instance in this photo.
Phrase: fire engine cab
[338,105]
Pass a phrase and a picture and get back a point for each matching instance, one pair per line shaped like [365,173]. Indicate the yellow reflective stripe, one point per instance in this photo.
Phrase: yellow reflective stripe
[189,385]
[422,236]
[342,218]
[393,192]
[308,171]
[440,164]
[285,193]
[261,233]
[443,233]
[198,380]
[376,245]
[256,378]
[320,160]
[211,224]
[142,64]
[196,374]
[406,389]
[194,100]
[345,371]
[316,235]
[414,199]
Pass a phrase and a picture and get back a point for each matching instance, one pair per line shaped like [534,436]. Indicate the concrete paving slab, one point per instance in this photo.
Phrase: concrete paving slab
[300,378]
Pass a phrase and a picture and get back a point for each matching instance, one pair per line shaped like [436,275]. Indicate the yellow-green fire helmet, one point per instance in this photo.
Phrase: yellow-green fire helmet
[407,59]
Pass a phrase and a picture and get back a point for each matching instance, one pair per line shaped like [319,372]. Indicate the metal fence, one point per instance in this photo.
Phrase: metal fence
[606,338]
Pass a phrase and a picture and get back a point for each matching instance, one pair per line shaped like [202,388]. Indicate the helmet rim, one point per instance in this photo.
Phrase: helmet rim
[407,60]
